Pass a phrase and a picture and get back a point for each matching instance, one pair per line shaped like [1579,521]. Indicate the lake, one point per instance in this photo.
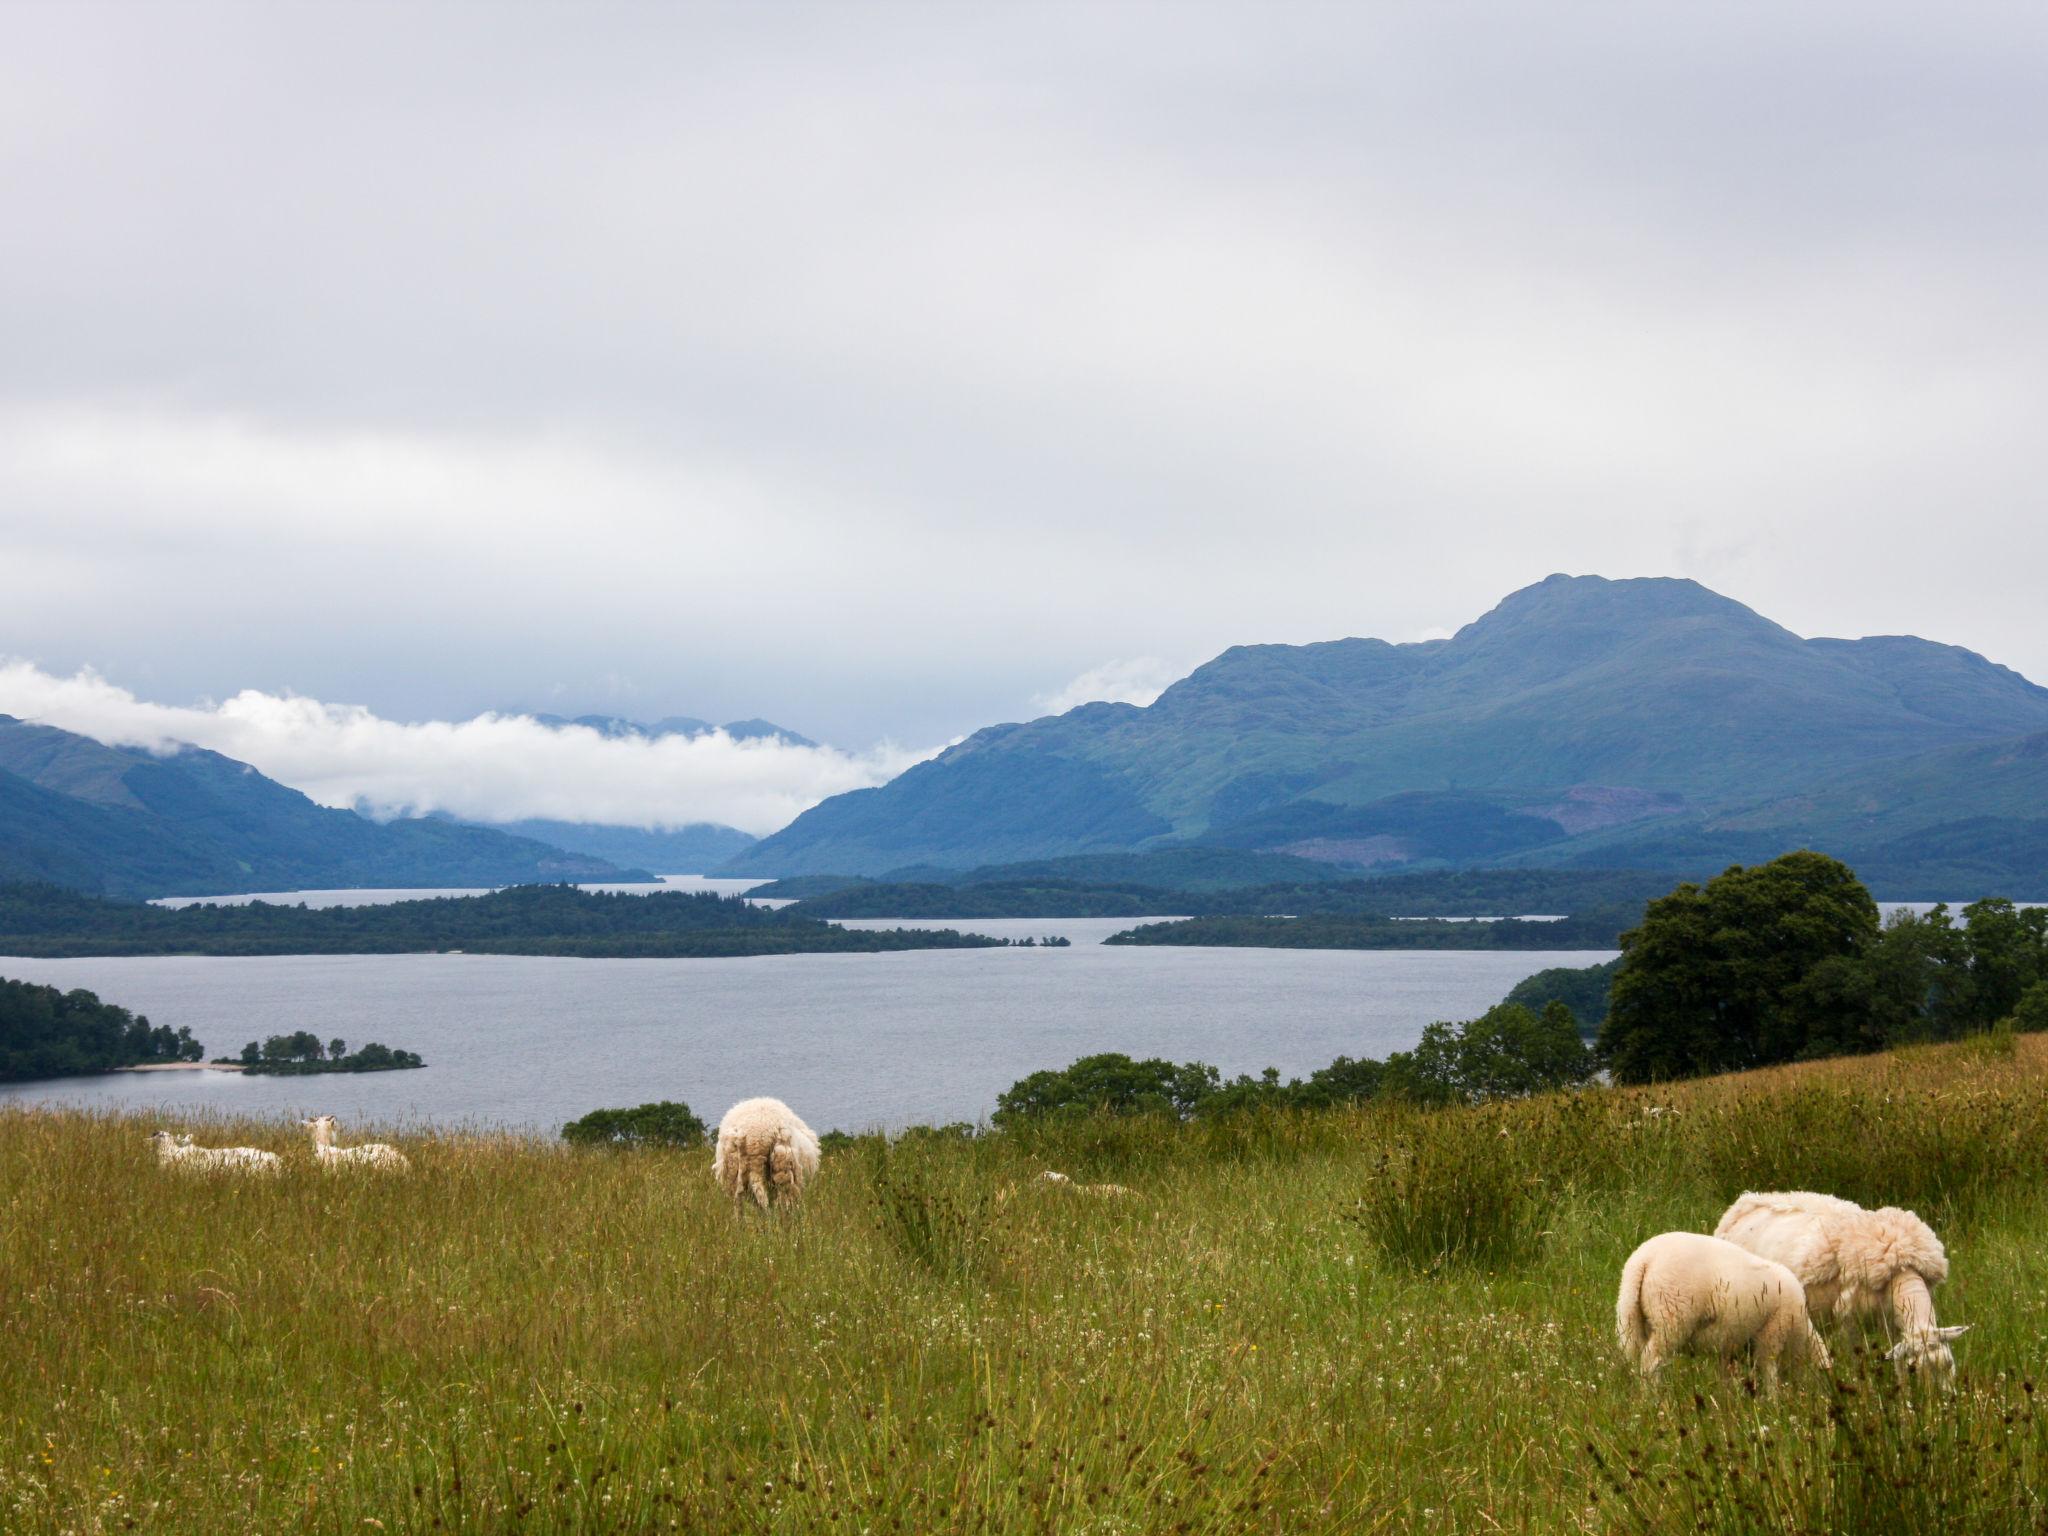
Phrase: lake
[851,1041]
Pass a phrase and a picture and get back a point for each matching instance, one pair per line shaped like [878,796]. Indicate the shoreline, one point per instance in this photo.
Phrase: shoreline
[183,1066]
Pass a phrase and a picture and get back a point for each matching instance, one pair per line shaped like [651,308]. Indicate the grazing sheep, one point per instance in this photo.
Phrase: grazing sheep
[178,1152]
[764,1150]
[369,1154]
[1854,1262]
[1682,1290]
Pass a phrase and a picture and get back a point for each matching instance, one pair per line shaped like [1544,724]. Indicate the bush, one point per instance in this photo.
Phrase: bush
[1113,1082]
[1455,1191]
[2030,1014]
[662,1124]
[939,1212]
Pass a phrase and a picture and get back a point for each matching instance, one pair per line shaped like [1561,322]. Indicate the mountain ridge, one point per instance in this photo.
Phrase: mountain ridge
[1611,702]
[123,821]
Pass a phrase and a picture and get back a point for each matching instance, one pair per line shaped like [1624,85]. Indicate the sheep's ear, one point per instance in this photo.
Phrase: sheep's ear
[1945,1334]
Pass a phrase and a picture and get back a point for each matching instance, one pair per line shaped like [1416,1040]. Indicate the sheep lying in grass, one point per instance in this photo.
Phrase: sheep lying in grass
[1683,1290]
[178,1152]
[369,1154]
[1064,1182]
[1854,1262]
[765,1151]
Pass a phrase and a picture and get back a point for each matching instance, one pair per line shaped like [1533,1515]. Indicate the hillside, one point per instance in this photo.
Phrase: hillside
[677,851]
[1643,723]
[128,822]
[1347,1321]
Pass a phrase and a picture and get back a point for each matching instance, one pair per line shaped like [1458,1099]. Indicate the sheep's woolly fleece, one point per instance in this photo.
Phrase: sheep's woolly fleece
[764,1150]
[1845,1249]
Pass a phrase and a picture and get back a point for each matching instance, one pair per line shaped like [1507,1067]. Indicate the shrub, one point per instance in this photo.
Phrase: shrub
[662,1124]
[939,1212]
[1111,1081]
[1507,1052]
[1455,1191]
[2030,1014]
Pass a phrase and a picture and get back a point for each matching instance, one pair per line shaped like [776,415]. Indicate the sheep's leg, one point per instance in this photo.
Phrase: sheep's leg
[1654,1356]
[756,1183]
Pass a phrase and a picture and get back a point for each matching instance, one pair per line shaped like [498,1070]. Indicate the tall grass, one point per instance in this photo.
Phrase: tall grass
[520,1336]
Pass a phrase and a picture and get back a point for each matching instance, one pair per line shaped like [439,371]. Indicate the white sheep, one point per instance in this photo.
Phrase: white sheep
[369,1154]
[1855,1262]
[1061,1179]
[178,1152]
[764,1150]
[1684,1290]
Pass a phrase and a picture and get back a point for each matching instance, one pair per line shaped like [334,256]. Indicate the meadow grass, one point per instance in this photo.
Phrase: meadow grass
[1354,1321]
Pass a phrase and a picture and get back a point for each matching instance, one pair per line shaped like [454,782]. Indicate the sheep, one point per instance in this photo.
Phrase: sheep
[369,1154]
[764,1150]
[1684,1289]
[1855,1262]
[178,1152]
[1051,1177]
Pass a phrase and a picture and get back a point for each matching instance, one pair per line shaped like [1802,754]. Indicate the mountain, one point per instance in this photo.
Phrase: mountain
[674,725]
[126,822]
[679,851]
[1582,721]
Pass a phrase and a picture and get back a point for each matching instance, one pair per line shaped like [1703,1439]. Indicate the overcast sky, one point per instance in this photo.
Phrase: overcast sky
[886,370]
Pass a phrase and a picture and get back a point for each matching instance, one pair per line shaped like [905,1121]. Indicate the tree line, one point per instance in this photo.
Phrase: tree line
[48,1033]
[300,1053]
[1788,961]
[46,920]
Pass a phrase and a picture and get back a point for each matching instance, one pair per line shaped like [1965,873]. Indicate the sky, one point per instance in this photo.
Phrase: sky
[887,371]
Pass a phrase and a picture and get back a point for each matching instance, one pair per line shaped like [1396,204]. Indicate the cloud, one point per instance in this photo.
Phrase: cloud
[868,366]
[1139,680]
[494,767]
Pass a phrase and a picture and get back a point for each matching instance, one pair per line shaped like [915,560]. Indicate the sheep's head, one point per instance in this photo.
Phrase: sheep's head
[1926,1350]
[162,1139]
[319,1121]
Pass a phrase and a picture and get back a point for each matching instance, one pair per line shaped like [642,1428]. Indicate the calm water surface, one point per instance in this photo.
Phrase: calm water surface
[851,1041]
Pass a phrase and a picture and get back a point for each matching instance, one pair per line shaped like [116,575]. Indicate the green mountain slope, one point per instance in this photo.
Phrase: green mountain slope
[680,851]
[1581,715]
[128,822]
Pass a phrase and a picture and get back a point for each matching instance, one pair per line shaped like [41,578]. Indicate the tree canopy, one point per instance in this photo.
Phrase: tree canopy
[48,1033]
[1786,961]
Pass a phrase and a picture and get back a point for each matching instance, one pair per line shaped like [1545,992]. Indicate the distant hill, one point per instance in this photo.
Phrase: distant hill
[683,851]
[1581,723]
[126,822]
[675,725]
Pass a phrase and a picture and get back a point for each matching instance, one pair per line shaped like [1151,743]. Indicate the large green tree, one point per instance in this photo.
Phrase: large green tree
[1750,968]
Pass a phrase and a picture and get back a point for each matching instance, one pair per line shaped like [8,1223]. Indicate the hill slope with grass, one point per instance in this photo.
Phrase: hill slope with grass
[1357,1321]
[1640,723]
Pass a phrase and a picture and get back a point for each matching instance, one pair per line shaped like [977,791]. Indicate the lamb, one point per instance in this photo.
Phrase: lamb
[178,1152]
[369,1154]
[766,1151]
[1683,1289]
[1855,1262]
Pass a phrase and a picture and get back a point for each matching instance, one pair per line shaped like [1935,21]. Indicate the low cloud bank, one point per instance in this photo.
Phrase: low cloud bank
[492,768]
[1138,680]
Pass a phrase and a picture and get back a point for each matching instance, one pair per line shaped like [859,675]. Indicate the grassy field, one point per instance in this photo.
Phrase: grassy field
[1364,1321]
